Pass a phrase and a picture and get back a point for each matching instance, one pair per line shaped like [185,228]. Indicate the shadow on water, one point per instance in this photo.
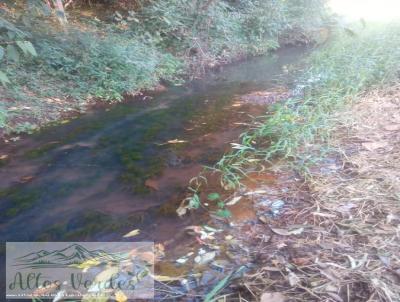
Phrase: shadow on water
[111,171]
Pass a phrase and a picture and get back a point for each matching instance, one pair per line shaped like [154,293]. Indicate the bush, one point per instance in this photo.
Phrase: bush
[133,50]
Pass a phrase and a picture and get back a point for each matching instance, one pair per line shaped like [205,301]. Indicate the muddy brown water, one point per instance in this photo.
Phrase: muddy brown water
[110,171]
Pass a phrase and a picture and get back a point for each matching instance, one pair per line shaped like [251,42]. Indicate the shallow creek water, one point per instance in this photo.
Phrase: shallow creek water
[114,170]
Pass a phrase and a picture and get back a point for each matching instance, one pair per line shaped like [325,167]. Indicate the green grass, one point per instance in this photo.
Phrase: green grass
[3,117]
[346,67]
[163,40]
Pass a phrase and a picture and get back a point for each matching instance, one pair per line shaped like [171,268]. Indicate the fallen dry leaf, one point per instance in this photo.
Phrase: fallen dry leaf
[205,258]
[194,230]
[263,219]
[120,297]
[336,297]
[152,184]
[301,261]
[234,201]
[161,278]
[324,214]
[228,237]
[271,269]
[285,232]
[293,279]
[281,245]
[25,179]
[181,211]
[174,141]
[346,208]
[159,250]
[273,297]
[132,233]
[372,146]
[255,192]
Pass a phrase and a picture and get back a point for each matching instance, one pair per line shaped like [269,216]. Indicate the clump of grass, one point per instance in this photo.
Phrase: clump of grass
[346,67]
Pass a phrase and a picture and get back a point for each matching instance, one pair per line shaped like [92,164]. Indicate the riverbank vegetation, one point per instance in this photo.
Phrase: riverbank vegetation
[352,63]
[55,62]
[304,207]
[327,230]
[336,237]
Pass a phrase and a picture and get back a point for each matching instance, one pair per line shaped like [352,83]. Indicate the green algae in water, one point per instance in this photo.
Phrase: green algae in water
[4,162]
[88,224]
[20,200]
[41,151]
[138,167]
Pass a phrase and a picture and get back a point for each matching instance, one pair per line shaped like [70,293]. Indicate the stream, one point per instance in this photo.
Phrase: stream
[112,170]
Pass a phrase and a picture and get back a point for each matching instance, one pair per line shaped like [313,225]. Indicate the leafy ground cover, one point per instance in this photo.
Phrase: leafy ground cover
[106,52]
[337,237]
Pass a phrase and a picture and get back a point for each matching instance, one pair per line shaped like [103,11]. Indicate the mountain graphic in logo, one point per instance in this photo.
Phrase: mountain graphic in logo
[71,256]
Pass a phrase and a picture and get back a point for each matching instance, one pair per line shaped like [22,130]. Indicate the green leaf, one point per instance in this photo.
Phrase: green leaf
[27,48]
[194,202]
[220,286]
[10,27]
[167,21]
[223,283]
[224,213]
[1,53]
[11,34]
[221,204]
[213,196]
[4,79]
[12,53]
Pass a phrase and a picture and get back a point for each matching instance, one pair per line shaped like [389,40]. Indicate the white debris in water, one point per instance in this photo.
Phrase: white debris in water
[205,258]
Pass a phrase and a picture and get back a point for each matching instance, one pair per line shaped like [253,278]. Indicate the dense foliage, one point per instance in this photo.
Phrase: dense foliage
[111,48]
